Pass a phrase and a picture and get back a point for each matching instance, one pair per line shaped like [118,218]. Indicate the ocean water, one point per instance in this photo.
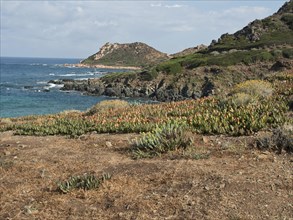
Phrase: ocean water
[24,87]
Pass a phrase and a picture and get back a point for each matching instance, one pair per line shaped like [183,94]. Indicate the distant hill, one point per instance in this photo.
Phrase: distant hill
[271,31]
[266,40]
[260,50]
[189,51]
[133,54]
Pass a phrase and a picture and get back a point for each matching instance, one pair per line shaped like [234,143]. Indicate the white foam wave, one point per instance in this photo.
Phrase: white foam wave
[52,85]
[39,64]
[83,78]
[76,74]
[96,72]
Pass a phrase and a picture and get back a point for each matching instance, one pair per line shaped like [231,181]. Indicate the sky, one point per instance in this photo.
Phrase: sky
[77,29]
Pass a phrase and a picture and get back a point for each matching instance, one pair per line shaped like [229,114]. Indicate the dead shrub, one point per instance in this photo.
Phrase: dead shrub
[255,88]
[107,105]
[280,140]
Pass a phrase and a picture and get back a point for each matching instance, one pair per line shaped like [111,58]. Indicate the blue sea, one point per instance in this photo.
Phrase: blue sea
[24,87]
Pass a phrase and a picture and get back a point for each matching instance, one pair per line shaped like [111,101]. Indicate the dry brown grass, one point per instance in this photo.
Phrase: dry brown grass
[169,187]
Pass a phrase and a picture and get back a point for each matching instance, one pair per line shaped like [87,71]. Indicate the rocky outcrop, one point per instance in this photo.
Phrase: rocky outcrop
[161,89]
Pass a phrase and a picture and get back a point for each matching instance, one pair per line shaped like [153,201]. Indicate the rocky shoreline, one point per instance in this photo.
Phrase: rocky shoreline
[204,81]
[160,89]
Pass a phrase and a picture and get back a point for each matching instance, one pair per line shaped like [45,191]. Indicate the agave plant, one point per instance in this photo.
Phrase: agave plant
[169,137]
[85,182]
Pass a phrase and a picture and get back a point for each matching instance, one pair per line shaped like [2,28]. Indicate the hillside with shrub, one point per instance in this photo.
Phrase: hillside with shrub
[125,55]
[262,48]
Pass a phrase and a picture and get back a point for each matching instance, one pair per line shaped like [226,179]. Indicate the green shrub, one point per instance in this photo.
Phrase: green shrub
[255,88]
[288,53]
[225,117]
[85,182]
[119,75]
[228,59]
[170,67]
[277,53]
[106,106]
[169,137]
[263,56]
[206,115]
[149,75]
[288,19]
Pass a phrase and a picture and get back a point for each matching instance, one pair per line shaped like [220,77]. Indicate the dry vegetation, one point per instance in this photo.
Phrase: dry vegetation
[170,172]
[232,182]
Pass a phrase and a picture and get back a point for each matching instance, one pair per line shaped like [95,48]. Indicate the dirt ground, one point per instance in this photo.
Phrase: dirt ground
[234,182]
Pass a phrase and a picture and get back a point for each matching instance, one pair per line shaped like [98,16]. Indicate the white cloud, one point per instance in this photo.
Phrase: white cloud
[178,26]
[243,10]
[156,5]
[166,6]
[79,9]
[105,23]
[173,6]
[79,28]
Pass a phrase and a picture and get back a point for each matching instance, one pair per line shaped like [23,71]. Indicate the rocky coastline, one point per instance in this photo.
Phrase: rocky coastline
[205,81]
[160,89]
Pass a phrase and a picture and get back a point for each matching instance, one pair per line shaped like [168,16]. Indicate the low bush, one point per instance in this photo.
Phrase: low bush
[169,137]
[119,75]
[288,53]
[279,141]
[85,182]
[226,117]
[206,115]
[106,106]
[149,75]
[243,99]
[170,67]
[255,88]
[288,19]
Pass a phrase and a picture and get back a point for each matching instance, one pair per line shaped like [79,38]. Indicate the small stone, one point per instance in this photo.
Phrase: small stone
[205,140]
[207,188]
[82,137]
[21,145]
[108,144]
[264,157]
[7,153]
[222,186]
